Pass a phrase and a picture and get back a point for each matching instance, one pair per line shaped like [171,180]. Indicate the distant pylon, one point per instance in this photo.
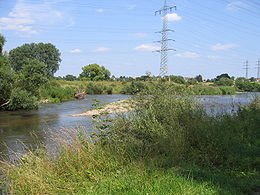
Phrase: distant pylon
[258,70]
[246,68]
[164,42]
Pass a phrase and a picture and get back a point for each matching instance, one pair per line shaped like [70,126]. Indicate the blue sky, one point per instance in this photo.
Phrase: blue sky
[211,37]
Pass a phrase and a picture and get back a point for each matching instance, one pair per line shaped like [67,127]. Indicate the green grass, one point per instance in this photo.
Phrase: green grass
[167,145]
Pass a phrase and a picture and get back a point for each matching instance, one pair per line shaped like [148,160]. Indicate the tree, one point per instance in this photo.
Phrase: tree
[94,72]
[6,83]
[21,99]
[199,78]
[2,42]
[224,82]
[192,81]
[243,84]
[222,76]
[33,75]
[43,52]
[177,79]
[70,77]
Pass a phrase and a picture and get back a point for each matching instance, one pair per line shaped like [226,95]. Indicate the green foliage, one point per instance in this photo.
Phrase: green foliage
[43,52]
[2,43]
[222,76]
[199,78]
[172,129]
[177,79]
[228,90]
[32,76]
[94,88]
[94,72]
[54,92]
[244,84]
[224,82]
[205,90]
[6,81]
[134,88]
[70,77]
[192,81]
[167,145]
[21,99]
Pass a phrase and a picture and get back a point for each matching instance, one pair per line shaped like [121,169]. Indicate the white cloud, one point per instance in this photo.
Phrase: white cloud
[147,47]
[102,49]
[173,17]
[100,10]
[236,5]
[213,57]
[219,46]
[75,51]
[140,35]
[188,55]
[24,16]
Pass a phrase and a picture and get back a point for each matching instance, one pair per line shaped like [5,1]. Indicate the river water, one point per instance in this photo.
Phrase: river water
[22,129]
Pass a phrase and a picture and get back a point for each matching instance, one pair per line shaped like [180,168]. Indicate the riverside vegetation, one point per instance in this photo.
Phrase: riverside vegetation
[166,145]
[27,78]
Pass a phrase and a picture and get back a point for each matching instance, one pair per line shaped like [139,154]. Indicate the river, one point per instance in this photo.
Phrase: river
[22,129]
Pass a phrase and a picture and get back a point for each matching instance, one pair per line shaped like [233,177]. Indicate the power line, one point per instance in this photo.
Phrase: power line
[164,41]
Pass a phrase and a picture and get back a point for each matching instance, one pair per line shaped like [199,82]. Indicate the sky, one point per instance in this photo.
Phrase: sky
[211,37]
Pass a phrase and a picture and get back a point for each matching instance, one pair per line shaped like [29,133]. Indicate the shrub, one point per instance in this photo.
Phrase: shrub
[228,90]
[177,79]
[22,100]
[192,81]
[54,91]
[171,128]
[205,90]
[224,82]
[94,88]
[134,88]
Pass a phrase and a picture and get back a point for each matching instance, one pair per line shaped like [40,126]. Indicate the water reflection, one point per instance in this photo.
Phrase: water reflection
[22,129]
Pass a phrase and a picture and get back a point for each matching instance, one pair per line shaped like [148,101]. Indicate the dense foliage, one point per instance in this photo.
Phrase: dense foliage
[23,72]
[166,145]
[94,72]
[43,52]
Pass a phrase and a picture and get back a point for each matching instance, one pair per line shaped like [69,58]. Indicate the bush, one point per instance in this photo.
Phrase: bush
[192,81]
[228,90]
[244,84]
[22,100]
[224,82]
[54,91]
[205,90]
[171,128]
[177,79]
[6,83]
[94,88]
[134,88]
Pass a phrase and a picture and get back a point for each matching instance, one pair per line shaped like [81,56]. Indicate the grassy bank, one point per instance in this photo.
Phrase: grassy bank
[59,91]
[167,145]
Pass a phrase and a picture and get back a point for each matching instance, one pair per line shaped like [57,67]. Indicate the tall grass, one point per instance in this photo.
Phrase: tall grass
[56,93]
[166,145]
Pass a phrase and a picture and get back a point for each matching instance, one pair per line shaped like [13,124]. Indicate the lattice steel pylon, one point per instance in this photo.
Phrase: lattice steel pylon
[164,42]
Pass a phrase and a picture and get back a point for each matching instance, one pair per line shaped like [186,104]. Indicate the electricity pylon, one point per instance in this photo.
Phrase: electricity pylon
[258,70]
[246,68]
[164,42]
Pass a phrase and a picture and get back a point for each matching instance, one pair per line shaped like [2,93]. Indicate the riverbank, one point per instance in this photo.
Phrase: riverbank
[167,145]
